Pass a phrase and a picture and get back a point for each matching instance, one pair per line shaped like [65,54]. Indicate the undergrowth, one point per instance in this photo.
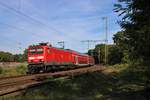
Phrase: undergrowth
[13,71]
[121,83]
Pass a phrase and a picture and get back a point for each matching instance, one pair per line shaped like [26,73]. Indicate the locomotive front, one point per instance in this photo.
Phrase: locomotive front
[36,58]
[45,58]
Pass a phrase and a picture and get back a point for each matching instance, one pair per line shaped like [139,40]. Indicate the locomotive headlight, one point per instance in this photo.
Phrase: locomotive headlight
[31,58]
[40,57]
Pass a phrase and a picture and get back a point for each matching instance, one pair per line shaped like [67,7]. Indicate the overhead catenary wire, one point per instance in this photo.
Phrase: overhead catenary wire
[36,20]
[17,28]
[27,16]
[40,22]
[33,19]
[91,41]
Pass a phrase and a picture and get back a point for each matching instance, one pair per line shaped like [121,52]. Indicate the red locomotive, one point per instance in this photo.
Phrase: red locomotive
[44,57]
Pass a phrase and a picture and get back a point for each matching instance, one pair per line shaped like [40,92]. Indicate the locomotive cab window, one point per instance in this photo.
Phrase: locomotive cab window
[32,51]
[36,51]
[39,51]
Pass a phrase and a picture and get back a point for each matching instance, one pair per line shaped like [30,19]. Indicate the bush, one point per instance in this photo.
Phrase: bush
[1,70]
[21,69]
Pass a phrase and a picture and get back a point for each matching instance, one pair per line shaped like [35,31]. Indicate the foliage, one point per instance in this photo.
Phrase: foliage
[98,53]
[6,56]
[121,47]
[18,57]
[1,70]
[119,40]
[115,85]
[100,49]
[22,69]
[9,57]
[136,25]
[115,55]
[14,70]
[24,56]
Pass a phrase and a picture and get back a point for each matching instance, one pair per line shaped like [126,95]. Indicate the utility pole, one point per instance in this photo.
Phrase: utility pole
[106,39]
[62,44]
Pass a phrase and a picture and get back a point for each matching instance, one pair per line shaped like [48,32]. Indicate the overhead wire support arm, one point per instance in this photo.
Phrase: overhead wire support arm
[62,43]
[91,41]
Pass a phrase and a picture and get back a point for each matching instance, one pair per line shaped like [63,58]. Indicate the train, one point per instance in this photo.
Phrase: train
[43,57]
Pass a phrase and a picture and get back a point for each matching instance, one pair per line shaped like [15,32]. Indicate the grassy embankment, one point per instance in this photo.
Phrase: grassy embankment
[13,70]
[118,82]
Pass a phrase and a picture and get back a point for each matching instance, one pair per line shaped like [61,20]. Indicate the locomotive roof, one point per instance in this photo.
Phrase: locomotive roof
[70,50]
[49,45]
[41,44]
[76,52]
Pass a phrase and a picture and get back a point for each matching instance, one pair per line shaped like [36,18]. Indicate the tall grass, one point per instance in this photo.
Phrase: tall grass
[22,69]
[13,71]
[1,70]
[119,84]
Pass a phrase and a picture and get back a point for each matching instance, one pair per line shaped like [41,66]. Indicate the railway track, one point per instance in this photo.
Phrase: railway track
[12,85]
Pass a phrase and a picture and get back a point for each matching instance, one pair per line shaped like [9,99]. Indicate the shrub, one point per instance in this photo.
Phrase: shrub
[21,69]
[1,70]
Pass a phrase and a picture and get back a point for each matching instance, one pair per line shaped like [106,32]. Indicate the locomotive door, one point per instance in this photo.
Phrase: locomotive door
[76,60]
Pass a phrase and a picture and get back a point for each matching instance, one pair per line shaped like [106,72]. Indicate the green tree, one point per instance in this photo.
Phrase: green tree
[98,53]
[95,55]
[100,49]
[6,57]
[119,40]
[18,58]
[115,55]
[25,54]
[136,25]
[121,46]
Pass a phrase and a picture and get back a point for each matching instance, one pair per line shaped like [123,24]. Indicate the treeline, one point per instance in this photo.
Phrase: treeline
[116,53]
[9,57]
[133,42]
[135,26]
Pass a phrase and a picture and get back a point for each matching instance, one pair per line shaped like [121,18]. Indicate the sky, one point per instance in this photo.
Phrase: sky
[26,22]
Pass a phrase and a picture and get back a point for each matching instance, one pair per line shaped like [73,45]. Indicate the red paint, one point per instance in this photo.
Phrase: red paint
[48,54]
